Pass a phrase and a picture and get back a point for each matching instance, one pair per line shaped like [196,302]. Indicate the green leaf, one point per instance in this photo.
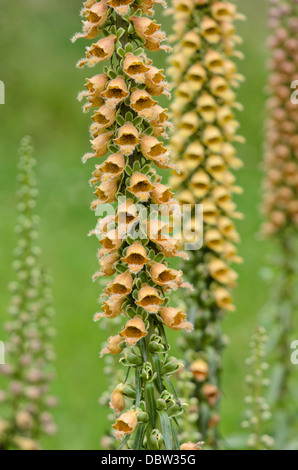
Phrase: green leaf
[137,121]
[136,166]
[163,334]
[130,312]
[128,48]
[120,268]
[112,74]
[159,258]
[172,389]
[120,33]
[142,86]
[143,349]
[135,294]
[130,240]
[129,116]
[127,374]
[145,169]
[175,436]
[141,429]
[149,130]
[120,50]
[131,28]
[138,51]
[128,170]
[156,362]
[113,148]
[120,120]
[141,311]
[166,429]
[143,277]
[123,442]
[138,385]
[150,400]
[125,305]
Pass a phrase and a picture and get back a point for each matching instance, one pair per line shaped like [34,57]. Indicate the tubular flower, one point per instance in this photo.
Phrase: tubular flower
[126,424]
[280,186]
[200,370]
[128,138]
[174,318]
[99,52]
[134,244]
[204,76]
[114,345]
[113,167]
[28,368]
[117,402]
[135,68]
[136,257]
[191,446]
[140,186]
[115,92]
[95,86]
[155,82]
[134,330]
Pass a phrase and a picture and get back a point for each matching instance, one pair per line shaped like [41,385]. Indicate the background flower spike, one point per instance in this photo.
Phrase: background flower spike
[25,402]
[280,204]
[204,74]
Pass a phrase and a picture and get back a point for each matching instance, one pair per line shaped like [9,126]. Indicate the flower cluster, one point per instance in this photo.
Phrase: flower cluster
[281,153]
[204,74]
[29,351]
[280,201]
[258,412]
[127,125]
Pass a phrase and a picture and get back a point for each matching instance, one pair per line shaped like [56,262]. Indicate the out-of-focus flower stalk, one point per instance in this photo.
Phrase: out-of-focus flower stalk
[205,75]
[28,368]
[280,202]
[258,410]
[126,130]
[281,152]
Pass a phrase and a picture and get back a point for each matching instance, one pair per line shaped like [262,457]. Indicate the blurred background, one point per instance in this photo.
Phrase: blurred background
[38,69]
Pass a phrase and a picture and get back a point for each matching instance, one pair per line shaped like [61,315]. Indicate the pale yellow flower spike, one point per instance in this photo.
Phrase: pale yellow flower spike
[205,76]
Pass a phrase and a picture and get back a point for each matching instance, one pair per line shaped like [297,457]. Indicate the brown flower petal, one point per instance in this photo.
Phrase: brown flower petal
[121,286]
[149,299]
[136,257]
[134,330]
